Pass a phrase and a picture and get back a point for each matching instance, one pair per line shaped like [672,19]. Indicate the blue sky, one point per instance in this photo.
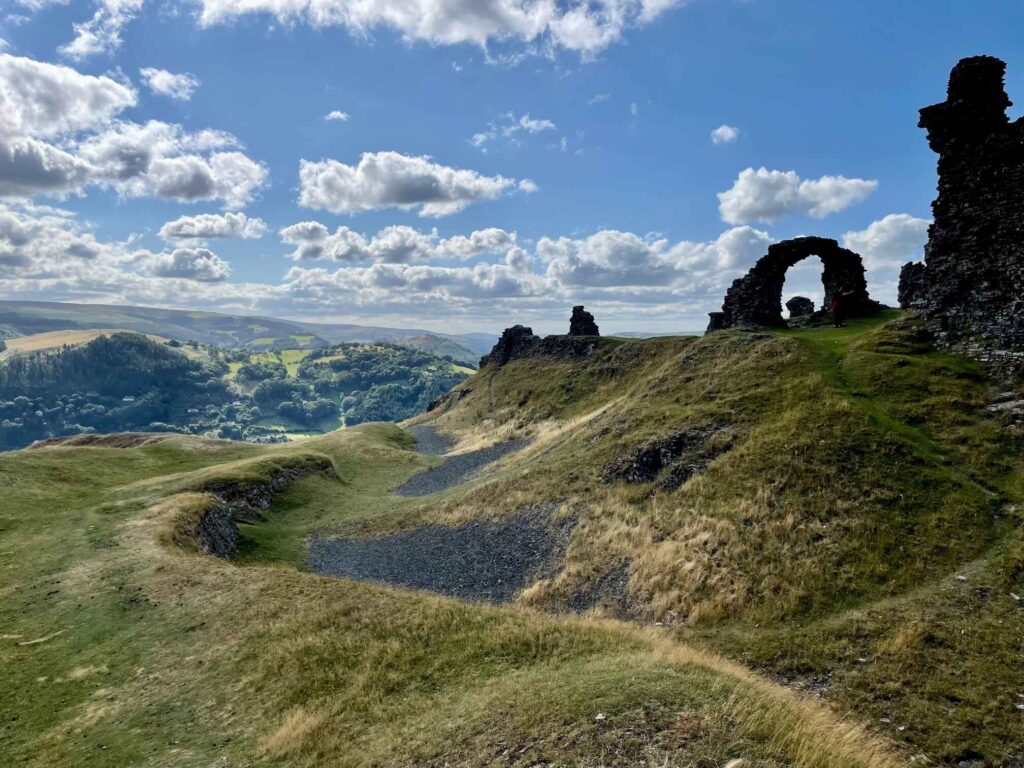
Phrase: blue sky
[574,139]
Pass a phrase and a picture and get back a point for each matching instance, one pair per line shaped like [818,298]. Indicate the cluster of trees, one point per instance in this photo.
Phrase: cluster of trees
[128,382]
[124,382]
[353,382]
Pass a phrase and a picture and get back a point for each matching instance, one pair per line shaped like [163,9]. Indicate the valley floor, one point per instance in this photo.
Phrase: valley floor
[824,570]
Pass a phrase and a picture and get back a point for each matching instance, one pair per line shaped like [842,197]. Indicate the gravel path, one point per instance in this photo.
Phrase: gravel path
[430,441]
[455,469]
[483,560]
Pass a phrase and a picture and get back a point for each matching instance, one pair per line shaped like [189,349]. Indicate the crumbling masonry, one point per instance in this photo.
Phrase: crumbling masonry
[969,289]
[755,300]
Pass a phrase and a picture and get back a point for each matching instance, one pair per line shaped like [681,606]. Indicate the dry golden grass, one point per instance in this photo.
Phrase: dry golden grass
[43,342]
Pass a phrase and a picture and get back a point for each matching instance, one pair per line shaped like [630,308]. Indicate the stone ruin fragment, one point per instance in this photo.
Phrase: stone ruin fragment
[519,341]
[969,288]
[582,323]
[800,306]
[755,300]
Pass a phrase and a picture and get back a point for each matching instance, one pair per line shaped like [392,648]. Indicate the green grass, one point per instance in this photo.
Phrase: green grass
[822,549]
[121,649]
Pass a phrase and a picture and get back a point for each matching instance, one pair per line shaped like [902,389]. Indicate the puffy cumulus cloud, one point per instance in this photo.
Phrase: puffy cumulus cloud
[47,100]
[392,245]
[47,253]
[211,226]
[102,33]
[385,286]
[174,86]
[725,134]
[607,258]
[200,264]
[29,167]
[610,258]
[337,116]
[162,160]
[766,196]
[542,25]
[735,249]
[40,244]
[40,241]
[891,241]
[59,134]
[393,180]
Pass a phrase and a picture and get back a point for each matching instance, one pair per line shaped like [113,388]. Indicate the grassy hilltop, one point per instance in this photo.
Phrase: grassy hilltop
[842,524]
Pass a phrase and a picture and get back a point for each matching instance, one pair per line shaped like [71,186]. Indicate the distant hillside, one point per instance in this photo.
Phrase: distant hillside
[68,383]
[25,318]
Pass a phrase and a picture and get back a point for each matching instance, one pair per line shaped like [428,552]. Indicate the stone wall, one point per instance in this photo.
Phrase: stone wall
[755,300]
[969,289]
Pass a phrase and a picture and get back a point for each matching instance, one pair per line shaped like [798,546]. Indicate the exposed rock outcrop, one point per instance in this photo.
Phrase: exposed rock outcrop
[970,289]
[755,300]
[516,341]
[674,458]
[582,323]
[519,342]
[800,306]
[449,400]
[215,529]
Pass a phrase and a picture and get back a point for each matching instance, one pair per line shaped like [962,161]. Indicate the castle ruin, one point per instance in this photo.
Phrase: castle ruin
[969,288]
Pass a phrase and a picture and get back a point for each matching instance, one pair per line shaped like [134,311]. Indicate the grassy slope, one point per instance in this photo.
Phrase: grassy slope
[828,547]
[120,649]
[822,548]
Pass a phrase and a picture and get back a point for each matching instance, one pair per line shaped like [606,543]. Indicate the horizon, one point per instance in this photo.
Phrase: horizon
[422,167]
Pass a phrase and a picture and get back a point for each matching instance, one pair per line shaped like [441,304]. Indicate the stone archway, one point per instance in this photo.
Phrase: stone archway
[755,300]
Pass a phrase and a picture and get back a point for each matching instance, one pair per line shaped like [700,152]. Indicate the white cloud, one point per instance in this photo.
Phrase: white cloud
[210,226]
[738,248]
[510,127]
[392,245]
[634,110]
[47,100]
[393,180]
[610,258]
[29,167]
[162,160]
[725,134]
[542,25]
[58,134]
[890,242]
[40,245]
[47,254]
[38,5]
[199,264]
[174,86]
[766,196]
[102,33]
[607,258]
[531,125]
[598,98]
[337,116]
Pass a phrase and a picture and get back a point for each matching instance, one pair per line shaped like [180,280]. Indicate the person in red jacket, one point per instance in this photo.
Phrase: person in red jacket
[839,308]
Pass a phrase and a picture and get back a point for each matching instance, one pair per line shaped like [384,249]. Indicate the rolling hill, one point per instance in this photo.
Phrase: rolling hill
[26,318]
[793,548]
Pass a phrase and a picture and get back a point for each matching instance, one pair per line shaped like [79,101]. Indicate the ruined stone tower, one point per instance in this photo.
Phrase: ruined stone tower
[970,287]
